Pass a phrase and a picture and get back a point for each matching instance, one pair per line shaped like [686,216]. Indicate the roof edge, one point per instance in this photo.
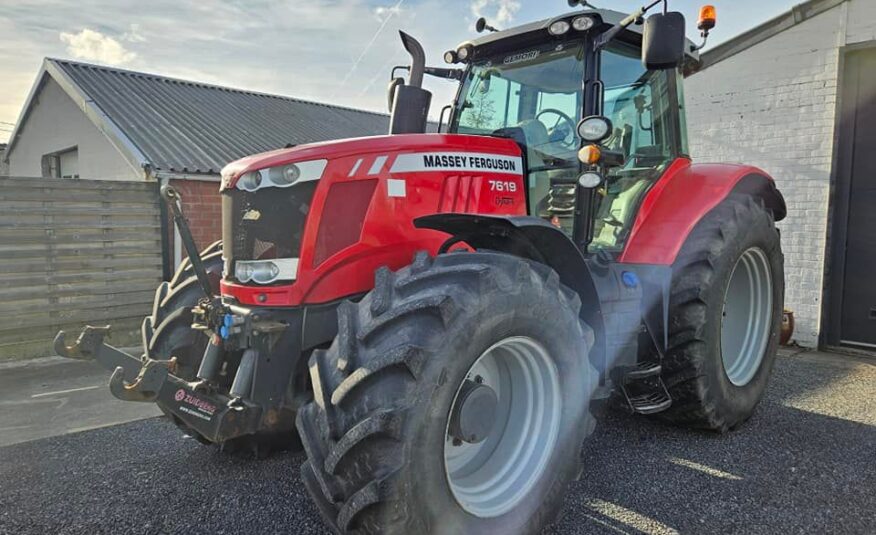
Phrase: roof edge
[216,86]
[796,15]
[22,115]
[98,117]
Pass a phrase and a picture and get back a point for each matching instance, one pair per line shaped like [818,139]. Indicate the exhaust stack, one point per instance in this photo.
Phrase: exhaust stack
[410,103]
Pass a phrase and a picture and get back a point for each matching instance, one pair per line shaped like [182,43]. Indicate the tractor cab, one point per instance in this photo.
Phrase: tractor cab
[537,83]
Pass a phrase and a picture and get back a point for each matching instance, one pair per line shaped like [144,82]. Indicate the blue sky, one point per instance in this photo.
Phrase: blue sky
[337,51]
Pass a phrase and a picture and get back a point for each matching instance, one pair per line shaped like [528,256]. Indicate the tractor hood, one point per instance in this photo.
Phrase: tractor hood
[487,154]
[330,214]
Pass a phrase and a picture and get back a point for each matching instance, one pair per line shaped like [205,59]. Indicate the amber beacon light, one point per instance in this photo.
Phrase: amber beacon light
[708,18]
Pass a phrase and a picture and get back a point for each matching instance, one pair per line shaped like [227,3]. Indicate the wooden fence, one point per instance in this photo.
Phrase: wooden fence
[75,252]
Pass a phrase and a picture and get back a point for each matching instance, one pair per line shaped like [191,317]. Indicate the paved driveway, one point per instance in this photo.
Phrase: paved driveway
[805,463]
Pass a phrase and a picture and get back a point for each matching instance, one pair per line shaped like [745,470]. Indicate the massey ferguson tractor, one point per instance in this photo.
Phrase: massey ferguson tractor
[435,315]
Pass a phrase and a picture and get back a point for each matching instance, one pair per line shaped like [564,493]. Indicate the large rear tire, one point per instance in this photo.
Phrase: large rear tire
[725,316]
[382,434]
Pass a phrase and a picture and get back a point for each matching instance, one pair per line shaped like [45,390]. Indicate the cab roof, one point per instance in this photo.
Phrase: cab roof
[536,33]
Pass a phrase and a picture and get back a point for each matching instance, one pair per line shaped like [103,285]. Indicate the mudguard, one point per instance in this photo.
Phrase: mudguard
[532,238]
[682,197]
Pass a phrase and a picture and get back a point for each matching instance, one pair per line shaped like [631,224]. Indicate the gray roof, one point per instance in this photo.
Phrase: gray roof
[184,127]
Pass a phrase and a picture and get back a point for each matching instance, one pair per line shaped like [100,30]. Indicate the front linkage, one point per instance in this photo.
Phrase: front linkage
[258,399]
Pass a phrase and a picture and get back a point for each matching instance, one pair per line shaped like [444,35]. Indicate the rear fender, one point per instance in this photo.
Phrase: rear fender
[532,238]
[682,197]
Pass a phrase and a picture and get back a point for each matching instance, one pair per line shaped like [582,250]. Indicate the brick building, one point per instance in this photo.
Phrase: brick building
[796,96]
[95,122]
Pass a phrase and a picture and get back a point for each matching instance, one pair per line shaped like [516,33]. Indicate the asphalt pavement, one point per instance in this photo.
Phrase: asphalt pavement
[52,396]
[804,463]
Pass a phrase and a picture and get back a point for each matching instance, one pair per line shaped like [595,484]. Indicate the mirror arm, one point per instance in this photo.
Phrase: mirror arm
[439,72]
[612,32]
[441,117]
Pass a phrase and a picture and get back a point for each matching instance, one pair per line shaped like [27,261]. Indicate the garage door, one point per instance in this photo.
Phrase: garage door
[856,178]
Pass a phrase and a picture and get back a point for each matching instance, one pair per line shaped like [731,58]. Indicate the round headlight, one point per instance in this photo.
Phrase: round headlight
[250,181]
[286,175]
[582,23]
[243,272]
[265,272]
[450,56]
[559,27]
[590,180]
[463,52]
[594,129]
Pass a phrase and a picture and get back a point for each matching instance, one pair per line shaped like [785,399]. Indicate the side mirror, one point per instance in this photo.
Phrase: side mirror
[663,41]
[390,91]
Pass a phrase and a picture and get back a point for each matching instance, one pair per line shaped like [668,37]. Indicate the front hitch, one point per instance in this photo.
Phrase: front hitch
[214,415]
[133,379]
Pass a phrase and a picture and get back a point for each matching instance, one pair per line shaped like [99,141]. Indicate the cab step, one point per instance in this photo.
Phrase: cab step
[643,388]
[650,403]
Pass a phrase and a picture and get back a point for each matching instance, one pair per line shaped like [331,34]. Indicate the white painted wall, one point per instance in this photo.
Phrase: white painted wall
[774,106]
[56,123]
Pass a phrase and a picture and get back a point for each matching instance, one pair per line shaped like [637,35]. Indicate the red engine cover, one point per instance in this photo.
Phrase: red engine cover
[411,176]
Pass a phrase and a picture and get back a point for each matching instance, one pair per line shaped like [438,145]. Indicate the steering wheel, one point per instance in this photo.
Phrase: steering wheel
[568,141]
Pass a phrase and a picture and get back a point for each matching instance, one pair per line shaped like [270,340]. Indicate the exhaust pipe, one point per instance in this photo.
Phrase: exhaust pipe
[410,103]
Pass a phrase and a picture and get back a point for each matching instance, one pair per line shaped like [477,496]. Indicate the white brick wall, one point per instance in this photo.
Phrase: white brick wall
[774,106]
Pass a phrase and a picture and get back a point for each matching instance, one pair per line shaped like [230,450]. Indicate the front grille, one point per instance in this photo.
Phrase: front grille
[264,224]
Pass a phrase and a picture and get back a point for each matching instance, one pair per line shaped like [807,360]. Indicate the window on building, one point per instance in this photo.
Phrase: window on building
[63,164]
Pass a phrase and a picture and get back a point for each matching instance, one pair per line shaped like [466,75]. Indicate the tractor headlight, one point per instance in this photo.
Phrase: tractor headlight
[558,27]
[282,176]
[582,23]
[463,53]
[266,271]
[594,129]
[590,179]
[250,181]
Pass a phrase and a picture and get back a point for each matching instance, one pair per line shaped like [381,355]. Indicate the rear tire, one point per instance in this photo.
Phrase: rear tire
[376,434]
[728,280]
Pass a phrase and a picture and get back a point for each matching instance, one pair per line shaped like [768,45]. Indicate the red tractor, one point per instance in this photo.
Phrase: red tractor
[436,314]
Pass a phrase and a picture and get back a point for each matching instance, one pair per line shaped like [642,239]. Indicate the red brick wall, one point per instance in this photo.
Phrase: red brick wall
[202,207]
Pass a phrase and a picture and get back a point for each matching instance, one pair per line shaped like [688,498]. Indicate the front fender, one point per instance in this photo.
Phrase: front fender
[532,238]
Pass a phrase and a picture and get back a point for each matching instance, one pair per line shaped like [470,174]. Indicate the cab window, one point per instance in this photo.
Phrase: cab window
[642,107]
[536,93]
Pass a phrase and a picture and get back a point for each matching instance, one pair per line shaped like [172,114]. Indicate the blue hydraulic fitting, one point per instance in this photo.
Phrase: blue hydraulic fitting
[630,279]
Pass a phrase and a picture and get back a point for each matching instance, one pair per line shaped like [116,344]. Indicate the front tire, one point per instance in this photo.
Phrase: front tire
[377,434]
[725,316]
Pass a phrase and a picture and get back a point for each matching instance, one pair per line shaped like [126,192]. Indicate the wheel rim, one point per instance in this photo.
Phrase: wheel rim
[747,316]
[490,477]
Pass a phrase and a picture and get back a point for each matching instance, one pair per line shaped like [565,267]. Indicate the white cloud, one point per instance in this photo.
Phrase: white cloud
[384,12]
[92,45]
[496,11]
[133,34]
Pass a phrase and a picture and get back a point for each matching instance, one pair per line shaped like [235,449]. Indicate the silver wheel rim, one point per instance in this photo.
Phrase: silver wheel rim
[489,478]
[747,316]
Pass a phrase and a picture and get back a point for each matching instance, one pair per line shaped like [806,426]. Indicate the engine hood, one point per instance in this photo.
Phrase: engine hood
[394,144]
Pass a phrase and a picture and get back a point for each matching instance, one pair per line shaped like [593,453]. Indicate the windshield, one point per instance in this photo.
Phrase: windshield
[537,91]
